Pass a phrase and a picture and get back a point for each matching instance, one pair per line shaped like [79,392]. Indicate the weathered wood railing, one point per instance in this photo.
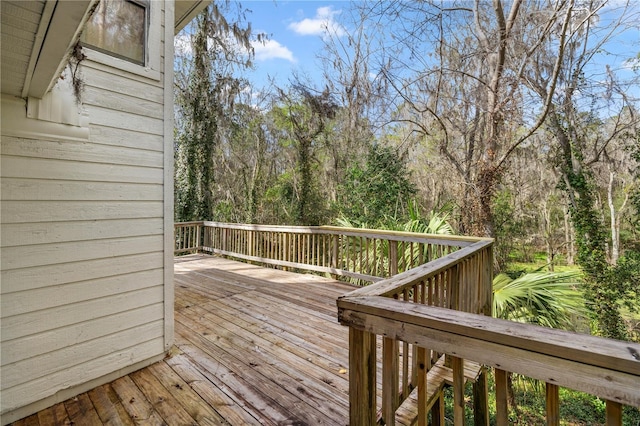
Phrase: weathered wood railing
[397,309]
[364,255]
[459,281]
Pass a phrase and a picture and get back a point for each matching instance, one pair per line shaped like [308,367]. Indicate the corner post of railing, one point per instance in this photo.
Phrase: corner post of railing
[481,386]
[362,377]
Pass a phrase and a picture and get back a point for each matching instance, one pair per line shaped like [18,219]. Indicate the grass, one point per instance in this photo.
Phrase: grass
[539,262]
[576,408]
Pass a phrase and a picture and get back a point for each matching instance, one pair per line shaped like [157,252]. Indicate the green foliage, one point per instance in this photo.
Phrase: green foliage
[303,119]
[576,408]
[435,223]
[602,289]
[378,190]
[206,89]
[550,299]
[508,228]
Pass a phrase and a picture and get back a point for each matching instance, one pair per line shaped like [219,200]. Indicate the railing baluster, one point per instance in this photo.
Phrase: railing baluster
[457,364]
[390,379]
[481,399]
[502,411]
[614,413]
[553,404]
[405,356]
[422,362]
[393,258]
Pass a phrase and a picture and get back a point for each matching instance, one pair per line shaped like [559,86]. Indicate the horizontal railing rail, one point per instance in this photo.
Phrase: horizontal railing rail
[362,254]
[605,368]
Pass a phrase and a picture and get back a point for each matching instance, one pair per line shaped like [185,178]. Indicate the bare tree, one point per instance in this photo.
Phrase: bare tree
[457,70]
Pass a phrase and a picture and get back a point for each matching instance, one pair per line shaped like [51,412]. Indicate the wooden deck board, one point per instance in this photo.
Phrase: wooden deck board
[253,346]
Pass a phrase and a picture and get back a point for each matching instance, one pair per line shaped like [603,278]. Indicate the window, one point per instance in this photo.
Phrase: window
[119,28]
[126,34]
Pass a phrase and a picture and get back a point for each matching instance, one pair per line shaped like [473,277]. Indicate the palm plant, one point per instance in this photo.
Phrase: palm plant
[550,299]
[378,255]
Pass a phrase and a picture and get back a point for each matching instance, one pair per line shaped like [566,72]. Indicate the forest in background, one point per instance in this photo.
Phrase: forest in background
[499,116]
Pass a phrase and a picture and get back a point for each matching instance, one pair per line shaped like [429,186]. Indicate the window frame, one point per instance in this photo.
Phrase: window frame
[151,67]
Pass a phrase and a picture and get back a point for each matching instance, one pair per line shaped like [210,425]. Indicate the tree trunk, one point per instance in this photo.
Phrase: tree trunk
[546,219]
[615,237]
[568,237]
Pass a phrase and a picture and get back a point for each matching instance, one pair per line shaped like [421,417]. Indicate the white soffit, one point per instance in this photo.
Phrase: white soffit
[59,29]
[186,10]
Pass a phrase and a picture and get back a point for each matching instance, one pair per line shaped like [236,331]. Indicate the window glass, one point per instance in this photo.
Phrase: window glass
[118,27]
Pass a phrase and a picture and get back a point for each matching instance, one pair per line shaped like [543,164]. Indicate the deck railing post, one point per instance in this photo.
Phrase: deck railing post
[362,377]
[457,365]
[502,408]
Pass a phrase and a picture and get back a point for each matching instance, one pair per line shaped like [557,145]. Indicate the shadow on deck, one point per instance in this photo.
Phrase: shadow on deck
[253,346]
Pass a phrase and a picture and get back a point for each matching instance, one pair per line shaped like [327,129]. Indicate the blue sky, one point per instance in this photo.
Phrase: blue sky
[295,30]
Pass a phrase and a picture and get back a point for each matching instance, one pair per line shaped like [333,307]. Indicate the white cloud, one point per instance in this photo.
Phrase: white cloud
[322,24]
[182,44]
[632,64]
[271,49]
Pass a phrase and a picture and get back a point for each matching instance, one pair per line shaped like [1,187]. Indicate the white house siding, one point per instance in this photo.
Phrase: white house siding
[85,277]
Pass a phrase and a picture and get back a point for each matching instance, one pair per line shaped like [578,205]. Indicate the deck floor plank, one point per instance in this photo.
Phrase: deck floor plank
[55,415]
[139,408]
[195,406]
[289,371]
[163,402]
[32,420]
[214,392]
[264,384]
[81,411]
[109,407]
[238,387]
[278,343]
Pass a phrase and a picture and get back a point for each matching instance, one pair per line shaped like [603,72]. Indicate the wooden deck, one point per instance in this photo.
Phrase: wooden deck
[253,346]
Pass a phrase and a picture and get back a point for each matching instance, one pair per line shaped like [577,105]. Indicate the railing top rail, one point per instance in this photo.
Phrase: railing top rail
[603,367]
[193,222]
[612,354]
[390,286]
[451,240]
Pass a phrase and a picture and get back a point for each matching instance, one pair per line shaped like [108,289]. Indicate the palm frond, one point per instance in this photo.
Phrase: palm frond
[550,299]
